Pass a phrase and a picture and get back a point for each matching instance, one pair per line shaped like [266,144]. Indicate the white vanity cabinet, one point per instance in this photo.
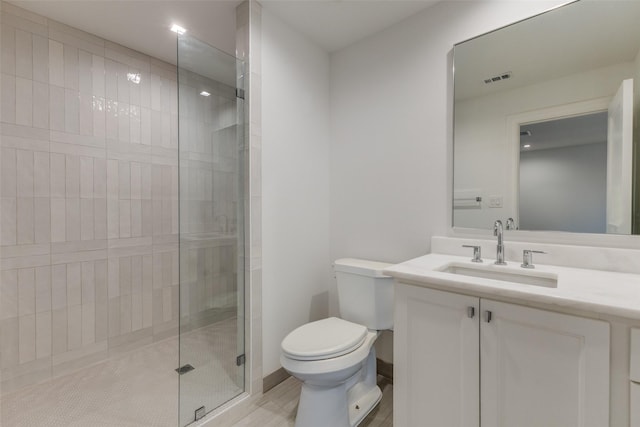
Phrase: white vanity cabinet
[468,361]
[634,376]
[436,363]
[540,368]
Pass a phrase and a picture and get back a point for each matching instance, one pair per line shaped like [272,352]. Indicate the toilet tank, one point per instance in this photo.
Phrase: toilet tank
[365,294]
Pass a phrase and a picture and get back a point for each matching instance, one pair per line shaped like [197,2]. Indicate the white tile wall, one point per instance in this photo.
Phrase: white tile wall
[23,54]
[27,338]
[8,294]
[43,335]
[56,63]
[43,289]
[24,101]
[80,144]
[26,291]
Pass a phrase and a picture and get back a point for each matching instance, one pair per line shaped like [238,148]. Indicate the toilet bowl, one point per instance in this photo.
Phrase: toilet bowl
[329,372]
[335,358]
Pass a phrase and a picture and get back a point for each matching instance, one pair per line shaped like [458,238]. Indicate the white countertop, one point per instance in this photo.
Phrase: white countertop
[591,291]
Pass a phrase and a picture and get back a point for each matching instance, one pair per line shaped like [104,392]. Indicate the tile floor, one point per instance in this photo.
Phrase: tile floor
[277,408]
[140,389]
[135,389]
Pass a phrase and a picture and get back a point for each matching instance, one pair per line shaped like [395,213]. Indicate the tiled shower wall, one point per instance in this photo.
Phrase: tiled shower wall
[89,199]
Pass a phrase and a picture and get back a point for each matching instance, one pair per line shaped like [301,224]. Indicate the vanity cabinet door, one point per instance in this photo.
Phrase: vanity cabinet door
[542,369]
[436,366]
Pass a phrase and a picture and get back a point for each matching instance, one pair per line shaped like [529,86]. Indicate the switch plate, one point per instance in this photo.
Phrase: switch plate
[495,201]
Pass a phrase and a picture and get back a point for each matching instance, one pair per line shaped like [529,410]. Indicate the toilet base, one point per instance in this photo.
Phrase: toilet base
[343,405]
[329,408]
[366,401]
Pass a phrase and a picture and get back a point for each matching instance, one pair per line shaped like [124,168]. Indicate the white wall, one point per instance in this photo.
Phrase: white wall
[295,174]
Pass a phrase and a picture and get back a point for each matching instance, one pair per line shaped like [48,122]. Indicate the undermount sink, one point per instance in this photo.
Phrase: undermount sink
[504,274]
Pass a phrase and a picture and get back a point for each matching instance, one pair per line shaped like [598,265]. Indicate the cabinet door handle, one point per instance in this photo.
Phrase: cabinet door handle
[471,312]
[487,316]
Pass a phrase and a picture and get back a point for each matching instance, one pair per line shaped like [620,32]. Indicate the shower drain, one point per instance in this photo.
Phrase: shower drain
[184,369]
[200,413]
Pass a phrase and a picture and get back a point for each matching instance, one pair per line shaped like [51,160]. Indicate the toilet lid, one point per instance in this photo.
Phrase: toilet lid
[323,339]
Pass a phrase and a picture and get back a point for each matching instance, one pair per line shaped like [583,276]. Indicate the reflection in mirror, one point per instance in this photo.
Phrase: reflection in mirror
[563,174]
[565,83]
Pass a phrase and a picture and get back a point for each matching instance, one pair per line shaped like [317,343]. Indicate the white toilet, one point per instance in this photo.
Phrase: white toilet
[335,358]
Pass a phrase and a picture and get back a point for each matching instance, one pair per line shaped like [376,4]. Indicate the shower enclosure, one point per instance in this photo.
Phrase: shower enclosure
[122,229]
[211,158]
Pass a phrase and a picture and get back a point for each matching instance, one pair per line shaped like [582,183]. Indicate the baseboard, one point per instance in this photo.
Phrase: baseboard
[273,379]
[385,369]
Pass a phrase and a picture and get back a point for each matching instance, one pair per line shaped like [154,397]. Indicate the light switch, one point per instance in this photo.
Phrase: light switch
[495,201]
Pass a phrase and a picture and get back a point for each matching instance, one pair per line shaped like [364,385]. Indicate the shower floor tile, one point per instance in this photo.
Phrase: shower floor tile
[135,389]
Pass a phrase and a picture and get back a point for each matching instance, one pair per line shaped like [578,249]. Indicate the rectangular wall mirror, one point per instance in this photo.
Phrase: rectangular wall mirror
[544,122]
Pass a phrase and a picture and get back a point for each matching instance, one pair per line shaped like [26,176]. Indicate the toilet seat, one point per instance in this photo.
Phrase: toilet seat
[324,339]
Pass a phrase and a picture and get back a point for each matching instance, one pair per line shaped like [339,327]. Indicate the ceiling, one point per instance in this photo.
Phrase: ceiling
[579,130]
[143,24]
[335,24]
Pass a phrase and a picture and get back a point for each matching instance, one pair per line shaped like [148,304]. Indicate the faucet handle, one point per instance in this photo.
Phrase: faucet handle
[477,252]
[527,258]
[497,227]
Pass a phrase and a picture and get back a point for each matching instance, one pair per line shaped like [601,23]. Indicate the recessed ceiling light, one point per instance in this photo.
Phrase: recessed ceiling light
[527,145]
[178,29]
[205,93]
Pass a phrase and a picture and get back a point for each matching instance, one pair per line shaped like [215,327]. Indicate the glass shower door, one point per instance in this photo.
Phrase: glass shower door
[211,164]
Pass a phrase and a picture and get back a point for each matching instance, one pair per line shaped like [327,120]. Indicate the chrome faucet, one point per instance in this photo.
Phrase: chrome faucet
[511,224]
[497,231]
